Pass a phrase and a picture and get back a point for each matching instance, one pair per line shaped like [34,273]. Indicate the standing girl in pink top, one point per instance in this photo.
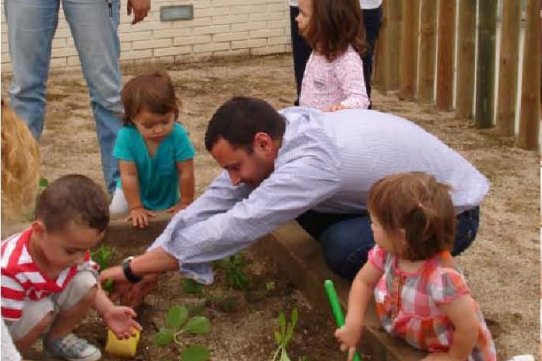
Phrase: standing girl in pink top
[333,78]
[420,295]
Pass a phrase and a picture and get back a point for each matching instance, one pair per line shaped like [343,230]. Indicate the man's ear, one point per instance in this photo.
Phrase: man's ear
[262,142]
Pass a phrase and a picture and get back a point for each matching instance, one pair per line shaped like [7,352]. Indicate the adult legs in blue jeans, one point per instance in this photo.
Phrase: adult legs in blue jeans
[347,240]
[31,27]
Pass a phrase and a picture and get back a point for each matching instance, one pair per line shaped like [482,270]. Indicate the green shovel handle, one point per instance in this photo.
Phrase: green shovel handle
[336,309]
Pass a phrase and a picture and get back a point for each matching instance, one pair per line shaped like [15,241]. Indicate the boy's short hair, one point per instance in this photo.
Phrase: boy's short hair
[74,198]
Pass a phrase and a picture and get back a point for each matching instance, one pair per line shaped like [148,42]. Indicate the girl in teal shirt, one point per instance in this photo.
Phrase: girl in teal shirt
[154,151]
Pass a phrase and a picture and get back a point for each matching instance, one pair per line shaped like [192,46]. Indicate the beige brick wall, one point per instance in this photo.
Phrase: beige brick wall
[219,28]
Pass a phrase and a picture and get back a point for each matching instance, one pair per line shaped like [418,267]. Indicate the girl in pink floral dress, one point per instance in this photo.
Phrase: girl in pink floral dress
[420,295]
[333,78]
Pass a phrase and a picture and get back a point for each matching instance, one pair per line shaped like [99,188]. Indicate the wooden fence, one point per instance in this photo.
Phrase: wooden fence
[425,47]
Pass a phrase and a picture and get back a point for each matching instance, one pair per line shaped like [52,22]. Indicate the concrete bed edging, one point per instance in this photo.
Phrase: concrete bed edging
[300,258]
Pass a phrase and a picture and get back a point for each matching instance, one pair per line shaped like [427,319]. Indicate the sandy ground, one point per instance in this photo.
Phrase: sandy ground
[502,265]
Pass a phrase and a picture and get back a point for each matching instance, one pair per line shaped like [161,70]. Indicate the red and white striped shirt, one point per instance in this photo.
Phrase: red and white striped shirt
[22,279]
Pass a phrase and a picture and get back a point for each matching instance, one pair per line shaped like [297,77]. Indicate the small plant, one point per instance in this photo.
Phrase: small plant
[284,335]
[177,323]
[192,287]
[234,266]
[101,256]
[43,183]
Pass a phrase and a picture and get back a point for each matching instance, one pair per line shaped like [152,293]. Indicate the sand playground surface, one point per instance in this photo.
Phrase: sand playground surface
[502,266]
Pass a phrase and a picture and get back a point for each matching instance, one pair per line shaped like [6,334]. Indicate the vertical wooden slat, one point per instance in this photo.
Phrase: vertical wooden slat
[465,58]
[428,25]
[409,48]
[392,45]
[445,55]
[485,69]
[508,68]
[379,79]
[529,124]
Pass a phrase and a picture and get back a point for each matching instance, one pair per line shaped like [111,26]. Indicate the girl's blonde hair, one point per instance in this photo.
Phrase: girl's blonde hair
[419,204]
[20,167]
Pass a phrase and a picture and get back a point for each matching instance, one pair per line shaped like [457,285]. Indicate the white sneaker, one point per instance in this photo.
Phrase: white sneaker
[72,348]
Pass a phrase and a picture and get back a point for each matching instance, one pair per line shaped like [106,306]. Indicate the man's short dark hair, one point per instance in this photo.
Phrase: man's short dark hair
[76,198]
[239,119]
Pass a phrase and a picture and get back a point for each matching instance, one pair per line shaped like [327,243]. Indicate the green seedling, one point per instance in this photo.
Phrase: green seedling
[270,286]
[178,323]
[284,335]
[234,266]
[192,287]
[43,183]
[101,256]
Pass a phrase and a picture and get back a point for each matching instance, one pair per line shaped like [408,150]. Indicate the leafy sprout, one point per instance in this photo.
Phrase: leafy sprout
[284,335]
[177,323]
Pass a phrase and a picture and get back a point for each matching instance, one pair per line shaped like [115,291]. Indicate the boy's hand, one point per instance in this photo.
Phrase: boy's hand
[348,338]
[120,320]
[140,217]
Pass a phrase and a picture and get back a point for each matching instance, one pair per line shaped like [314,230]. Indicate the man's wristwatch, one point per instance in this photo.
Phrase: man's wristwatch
[130,276]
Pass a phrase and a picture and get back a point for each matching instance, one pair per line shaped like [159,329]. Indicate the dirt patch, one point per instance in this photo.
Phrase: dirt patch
[502,266]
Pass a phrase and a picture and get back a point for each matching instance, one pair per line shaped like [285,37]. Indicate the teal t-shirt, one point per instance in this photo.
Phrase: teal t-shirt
[158,176]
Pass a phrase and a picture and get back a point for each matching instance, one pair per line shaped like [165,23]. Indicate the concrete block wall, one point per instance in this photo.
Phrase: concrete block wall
[219,28]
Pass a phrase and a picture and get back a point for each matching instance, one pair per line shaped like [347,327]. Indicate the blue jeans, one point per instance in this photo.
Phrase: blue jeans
[347,239]
[93,24]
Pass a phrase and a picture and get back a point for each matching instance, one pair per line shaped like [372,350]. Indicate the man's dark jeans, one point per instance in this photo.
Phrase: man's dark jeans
[346,239]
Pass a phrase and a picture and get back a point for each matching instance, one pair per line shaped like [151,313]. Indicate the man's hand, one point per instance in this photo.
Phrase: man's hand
[135,295]
[140,217]
[140,8]
[120,321]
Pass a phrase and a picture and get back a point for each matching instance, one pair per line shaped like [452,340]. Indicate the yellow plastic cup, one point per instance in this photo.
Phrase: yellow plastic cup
[122,348]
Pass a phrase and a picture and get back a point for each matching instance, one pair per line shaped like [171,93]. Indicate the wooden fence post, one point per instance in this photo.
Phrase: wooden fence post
[465,58]
[379,78]
[428,24]
[393,10]
[485,69]
[508,67]
[445,56]
[529,125]
[408,67]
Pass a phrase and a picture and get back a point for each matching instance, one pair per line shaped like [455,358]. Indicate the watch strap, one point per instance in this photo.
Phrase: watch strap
[127,270]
